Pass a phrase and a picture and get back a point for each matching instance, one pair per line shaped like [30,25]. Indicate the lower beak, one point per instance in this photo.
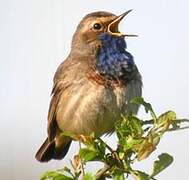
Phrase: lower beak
[113,26]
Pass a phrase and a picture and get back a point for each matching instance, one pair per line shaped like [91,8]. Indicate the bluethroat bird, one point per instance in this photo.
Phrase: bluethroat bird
[93,86]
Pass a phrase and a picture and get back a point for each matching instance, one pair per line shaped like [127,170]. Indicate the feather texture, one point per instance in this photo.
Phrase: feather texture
[92,87]
[113,61]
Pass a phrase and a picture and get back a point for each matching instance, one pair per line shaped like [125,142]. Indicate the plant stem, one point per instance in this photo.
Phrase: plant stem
[151,121]
[182,120]
[181,128]
[82,166]
[102,172]
[108,147]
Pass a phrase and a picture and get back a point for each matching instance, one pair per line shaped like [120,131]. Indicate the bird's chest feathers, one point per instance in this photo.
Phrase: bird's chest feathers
[113,61]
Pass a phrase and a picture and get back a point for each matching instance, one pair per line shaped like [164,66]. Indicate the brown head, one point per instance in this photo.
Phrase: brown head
[94,24]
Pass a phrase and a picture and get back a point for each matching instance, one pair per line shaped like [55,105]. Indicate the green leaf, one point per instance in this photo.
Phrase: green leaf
[66,169]
[147,106]
[88,176]
[101,147]
[130,142]
[118,177]
[137,139]
[165,120]
[164,160]
[129,126]
[118,174]
[139,175]
[55,175]
[88,154]
[136,126]
[144,149]
[122,128]
[140,101]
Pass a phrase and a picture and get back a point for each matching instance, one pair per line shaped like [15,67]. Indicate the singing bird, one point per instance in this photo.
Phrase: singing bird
[93,86]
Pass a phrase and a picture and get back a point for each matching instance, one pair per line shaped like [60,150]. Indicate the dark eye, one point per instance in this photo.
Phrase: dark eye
[97,26]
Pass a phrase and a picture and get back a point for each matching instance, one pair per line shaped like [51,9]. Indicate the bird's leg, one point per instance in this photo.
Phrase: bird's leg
[113,152]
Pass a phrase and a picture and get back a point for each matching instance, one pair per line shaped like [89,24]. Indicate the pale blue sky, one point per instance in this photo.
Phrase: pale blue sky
[35,37]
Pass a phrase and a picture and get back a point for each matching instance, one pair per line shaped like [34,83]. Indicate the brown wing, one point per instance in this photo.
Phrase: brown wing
[52,125]
[71,70]
[60,84]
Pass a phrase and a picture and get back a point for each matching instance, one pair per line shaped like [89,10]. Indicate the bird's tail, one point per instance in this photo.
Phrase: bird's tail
[48,151]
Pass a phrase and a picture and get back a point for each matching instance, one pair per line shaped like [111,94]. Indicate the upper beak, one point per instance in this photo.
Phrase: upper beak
[113,26]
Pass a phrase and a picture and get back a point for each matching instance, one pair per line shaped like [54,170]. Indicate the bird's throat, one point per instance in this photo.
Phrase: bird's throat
[113,61]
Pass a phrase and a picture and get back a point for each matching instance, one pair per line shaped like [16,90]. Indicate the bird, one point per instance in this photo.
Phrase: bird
[93,86]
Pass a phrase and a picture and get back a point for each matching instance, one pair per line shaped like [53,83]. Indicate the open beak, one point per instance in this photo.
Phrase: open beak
[113,26]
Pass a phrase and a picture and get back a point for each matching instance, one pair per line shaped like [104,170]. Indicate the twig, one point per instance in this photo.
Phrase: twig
[102,172]
[113,152]
[180,128]
[108,147]
[151,121]
[181,120]
[153,178]
[82,166]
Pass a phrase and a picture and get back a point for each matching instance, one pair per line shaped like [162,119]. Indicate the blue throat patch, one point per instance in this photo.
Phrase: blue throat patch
[113,61]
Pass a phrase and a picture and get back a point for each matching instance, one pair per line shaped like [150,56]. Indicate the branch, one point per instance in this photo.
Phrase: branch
[102,172]
[181,128]
[151,121]
[108,147]
[182,120]
[82,166]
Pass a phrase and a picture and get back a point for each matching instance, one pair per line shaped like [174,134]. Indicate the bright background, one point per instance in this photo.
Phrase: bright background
[35,37]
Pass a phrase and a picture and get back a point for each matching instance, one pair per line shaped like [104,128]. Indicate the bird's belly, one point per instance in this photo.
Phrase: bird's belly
[90,108]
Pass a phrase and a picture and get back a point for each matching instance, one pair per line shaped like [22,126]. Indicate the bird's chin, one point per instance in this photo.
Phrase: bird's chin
[108,36]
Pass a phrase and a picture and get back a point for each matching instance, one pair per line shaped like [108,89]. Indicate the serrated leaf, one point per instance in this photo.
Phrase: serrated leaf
[88,154]
[55,175]
[88,176]
[164,160]
[139,175]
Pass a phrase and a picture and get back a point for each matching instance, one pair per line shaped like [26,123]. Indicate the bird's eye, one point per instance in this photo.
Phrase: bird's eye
[97,26]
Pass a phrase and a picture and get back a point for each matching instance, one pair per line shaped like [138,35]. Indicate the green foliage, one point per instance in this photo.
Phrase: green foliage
[58,175]
[88,154]
[88,176]
[159,165]
[137,139]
